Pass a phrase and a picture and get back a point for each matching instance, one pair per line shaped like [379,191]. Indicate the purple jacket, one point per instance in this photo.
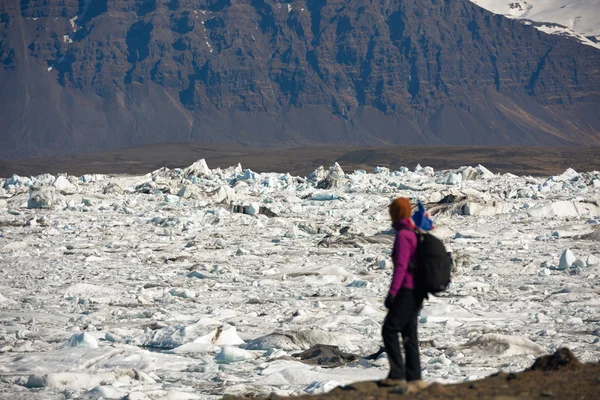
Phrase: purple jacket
[404,251]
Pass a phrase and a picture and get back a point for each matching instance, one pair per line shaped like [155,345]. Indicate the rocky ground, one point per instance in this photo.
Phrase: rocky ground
[559,376]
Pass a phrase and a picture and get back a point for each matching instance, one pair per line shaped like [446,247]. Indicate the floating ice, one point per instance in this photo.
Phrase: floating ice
[63,185]
[198,169]
[184,293]
[44,197]
[84,340]
[591,260]
[566,259]
[231,354]
[495,344]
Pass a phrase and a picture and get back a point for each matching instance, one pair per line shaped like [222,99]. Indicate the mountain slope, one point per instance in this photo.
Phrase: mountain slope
[100,74]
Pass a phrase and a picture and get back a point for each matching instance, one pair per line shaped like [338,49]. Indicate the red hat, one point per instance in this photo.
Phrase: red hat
[400,209]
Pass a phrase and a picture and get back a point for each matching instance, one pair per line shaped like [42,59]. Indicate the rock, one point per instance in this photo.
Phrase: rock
[63,185]
[562,359]
[327,356]
[84,340]
[44,197]
[566,259]
[231,354]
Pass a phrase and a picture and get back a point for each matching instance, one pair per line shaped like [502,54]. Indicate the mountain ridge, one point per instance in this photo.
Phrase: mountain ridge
[85,76]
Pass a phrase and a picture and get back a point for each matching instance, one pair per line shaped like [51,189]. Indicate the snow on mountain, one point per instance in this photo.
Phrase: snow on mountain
[577,18]
[130,287]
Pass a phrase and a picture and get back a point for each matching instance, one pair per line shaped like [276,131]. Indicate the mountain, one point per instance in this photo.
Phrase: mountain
[576,18]
[87,75]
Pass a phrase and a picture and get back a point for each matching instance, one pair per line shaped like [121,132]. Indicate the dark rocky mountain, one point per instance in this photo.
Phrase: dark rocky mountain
[83,75]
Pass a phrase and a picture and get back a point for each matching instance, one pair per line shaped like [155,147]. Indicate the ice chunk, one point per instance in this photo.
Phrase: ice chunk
[231,354]
[248,175]
[454,179]
[174,336]
[325,196]
[252,209]
[63,185]
[566,259]
[565,209]
[568,175]
[503,345]
[184,293]
[321,387]
[84,340]
[198,169]
[318,175]
[591,260]
[68,380]
[225,335]
[336,172]
[381,170]
[484,173]
[225,194]
[579,263]
[195,348]
[106,392]
[16,180]
[80,289]
[188,192]
[44,197]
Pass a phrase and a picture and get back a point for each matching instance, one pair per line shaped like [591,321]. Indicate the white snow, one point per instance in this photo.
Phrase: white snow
[135,286]
[577,18]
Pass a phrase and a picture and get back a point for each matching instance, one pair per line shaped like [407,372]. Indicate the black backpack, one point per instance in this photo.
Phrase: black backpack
[434,264]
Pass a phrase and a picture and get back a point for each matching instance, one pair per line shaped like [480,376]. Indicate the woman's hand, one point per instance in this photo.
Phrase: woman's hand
[389,301]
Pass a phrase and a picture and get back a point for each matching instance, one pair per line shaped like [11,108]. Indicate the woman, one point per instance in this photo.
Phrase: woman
[403,303]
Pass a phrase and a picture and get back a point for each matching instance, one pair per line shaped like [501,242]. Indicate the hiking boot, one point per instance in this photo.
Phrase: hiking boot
[398,384]
[415,386]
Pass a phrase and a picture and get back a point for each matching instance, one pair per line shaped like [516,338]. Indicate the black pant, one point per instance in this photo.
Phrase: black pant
[402,318]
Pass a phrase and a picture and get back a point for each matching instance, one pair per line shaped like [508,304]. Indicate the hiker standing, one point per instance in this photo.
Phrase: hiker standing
[403,301]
